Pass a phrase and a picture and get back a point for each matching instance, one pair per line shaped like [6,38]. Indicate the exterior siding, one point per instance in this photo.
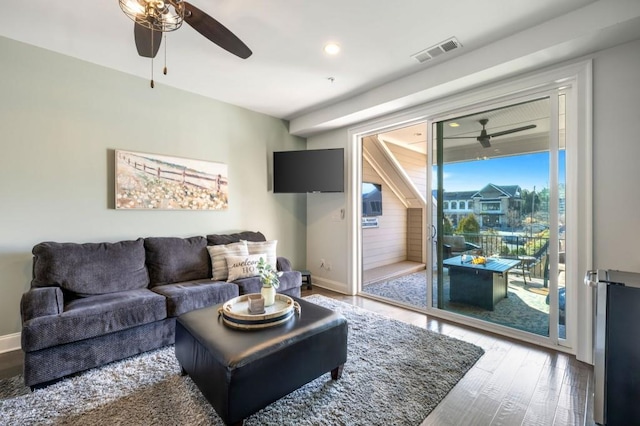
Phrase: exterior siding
[414,163]
[415,244]
[385,244]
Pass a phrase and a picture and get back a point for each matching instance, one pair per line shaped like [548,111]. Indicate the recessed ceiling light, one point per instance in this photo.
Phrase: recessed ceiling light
[454,124]
[331,48]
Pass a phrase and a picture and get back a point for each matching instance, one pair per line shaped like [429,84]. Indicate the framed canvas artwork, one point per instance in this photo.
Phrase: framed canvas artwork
[160,182]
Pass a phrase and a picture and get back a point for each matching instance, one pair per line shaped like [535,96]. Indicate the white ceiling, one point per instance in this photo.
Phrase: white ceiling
[536,113]
[288,74]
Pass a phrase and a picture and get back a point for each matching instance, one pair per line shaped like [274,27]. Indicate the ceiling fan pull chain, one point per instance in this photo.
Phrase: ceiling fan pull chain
[152,85]
[164,71]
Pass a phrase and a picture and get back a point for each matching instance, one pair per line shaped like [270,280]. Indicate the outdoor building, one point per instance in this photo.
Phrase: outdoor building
[494,206]
[457,205]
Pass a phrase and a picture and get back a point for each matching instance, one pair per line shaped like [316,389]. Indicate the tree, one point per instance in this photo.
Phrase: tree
[468,225]
[542,201]
[528,201]
[447,228]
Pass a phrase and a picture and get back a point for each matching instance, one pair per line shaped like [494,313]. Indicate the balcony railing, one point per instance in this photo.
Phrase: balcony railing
[506,245]
[512,246]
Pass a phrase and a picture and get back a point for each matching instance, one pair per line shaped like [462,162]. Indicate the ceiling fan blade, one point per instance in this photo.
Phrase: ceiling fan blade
[147,41]
[518,129]
[484,142]
[215,31]
[459,137]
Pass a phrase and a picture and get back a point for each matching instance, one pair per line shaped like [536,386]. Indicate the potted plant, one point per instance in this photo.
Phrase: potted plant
[269,280]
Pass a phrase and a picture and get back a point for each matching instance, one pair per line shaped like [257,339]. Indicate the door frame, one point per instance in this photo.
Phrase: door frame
[579,178]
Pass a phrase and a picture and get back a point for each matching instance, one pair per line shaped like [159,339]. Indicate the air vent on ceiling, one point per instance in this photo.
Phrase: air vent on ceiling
[437,50]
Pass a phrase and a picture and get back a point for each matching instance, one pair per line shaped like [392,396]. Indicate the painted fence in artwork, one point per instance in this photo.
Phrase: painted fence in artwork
[174,173]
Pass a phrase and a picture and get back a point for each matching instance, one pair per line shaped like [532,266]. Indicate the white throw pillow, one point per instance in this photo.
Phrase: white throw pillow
[243,266]
[266,247]
[219,271]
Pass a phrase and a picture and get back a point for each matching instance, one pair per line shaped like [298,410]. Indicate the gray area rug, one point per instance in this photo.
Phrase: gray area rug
[395,374]
[524,308]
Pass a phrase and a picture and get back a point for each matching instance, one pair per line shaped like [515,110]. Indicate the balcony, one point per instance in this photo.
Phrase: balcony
[526,306]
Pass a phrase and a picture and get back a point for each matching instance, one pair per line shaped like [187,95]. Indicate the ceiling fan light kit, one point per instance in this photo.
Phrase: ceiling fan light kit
[156,15]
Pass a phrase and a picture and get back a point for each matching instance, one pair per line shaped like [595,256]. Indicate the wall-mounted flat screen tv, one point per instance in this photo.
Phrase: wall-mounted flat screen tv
[313,170]
[371,199]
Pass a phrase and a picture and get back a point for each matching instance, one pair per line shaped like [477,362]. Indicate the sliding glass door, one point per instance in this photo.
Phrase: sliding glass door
[499,184]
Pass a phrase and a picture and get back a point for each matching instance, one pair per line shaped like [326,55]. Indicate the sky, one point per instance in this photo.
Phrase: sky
[526,171]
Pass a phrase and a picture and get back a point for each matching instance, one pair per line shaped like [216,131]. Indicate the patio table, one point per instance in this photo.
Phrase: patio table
[482,285]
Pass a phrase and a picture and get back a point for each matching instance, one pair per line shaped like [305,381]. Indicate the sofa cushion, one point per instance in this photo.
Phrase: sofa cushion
[243,266]
[173,260]
[288,280]
[219,253]
[267,247]
[216,239]
[91,268]
[94,316]
[188,296]
[41,301]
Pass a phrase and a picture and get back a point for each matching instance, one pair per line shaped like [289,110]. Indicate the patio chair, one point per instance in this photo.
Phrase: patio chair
[455,245]
[529,263]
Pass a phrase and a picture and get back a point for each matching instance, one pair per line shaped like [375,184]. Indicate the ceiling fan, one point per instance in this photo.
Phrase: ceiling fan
[485,138]
[154,17]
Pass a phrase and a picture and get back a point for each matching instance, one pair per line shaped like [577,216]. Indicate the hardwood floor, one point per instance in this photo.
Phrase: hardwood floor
[10,364]
[514,383]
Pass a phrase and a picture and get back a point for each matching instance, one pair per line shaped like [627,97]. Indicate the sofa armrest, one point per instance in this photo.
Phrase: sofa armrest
[41,301]
[283,264]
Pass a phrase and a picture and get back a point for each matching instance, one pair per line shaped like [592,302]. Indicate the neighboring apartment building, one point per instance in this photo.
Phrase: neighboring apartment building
[494,206]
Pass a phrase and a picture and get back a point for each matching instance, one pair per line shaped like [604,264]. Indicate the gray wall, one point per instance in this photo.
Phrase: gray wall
[61,119]
[327,230]
[616,157]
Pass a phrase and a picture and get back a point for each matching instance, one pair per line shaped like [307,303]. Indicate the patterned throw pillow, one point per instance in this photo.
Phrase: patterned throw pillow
[267,247]
[219,271]
[243,266]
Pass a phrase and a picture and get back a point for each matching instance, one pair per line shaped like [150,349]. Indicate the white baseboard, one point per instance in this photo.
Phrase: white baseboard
[10,342]
[329,284]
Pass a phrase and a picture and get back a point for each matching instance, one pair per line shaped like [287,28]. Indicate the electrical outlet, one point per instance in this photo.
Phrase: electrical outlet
[328,266]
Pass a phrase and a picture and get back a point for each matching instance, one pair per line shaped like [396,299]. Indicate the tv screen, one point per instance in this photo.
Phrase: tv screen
[371,199]
[314,170]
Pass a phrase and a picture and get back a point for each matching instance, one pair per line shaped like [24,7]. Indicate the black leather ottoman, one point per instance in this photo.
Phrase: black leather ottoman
[243,371]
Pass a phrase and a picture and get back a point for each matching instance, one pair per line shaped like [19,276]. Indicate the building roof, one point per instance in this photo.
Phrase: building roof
[490,191]
[495,191]
[459,195]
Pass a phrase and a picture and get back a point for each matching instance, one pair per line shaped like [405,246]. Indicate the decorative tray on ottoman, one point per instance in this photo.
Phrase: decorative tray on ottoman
[235,312]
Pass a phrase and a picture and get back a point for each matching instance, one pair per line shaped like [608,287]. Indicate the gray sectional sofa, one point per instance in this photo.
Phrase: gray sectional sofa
[91,304]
